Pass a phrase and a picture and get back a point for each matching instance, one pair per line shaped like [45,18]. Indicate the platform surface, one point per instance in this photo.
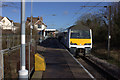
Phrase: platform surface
[59,63]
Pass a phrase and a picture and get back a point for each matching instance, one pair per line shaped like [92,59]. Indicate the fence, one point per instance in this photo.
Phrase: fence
[100,50]
[10,55]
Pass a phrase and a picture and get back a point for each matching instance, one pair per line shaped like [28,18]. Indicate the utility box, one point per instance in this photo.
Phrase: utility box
[40,64]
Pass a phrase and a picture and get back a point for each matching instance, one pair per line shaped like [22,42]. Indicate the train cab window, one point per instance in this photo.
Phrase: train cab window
[82,34]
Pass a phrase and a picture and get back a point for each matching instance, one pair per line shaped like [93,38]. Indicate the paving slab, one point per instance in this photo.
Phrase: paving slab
[59,63]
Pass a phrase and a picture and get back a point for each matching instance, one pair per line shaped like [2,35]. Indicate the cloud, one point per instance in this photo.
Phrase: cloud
[77,13]
[52,25]
[65,12]
[15,10]
[53,14]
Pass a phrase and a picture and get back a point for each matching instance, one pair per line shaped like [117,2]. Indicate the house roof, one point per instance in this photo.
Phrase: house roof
[79,27]
[39,22]
[1,17]
[9,19]
[35,20]
[17,24]
[6,17]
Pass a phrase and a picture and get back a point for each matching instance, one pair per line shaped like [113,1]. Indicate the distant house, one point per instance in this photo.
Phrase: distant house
[41,27]
[8,25]
[1,18]
[37,22]
[16,27]
[1,23]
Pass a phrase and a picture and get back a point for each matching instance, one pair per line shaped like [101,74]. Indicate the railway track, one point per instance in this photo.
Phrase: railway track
[94,69]
[96,72]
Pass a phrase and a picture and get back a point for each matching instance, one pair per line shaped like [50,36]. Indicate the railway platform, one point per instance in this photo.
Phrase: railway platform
[59,62]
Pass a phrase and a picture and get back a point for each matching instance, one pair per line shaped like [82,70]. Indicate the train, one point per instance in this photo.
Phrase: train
[77,38]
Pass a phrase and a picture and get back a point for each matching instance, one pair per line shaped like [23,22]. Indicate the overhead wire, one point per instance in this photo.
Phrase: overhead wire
[77,12]
[85,11]
[90,9]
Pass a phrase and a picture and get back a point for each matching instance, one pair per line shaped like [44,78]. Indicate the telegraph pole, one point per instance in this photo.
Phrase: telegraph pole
[109,36]
[30,45]
[23,73]
[31,22]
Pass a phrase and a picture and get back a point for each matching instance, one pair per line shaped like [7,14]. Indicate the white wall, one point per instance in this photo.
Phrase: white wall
[6,23]
[42,27]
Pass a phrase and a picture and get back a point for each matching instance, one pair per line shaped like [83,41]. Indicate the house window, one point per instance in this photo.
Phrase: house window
[39,26]
[3,21]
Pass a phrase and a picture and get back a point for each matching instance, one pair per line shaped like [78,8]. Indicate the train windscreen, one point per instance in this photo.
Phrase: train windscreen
[82,34]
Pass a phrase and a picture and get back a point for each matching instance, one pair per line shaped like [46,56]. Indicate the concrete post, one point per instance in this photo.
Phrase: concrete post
[0,36]
[1,53]
[44,33]
[109,36]
[31,22]
[23,73]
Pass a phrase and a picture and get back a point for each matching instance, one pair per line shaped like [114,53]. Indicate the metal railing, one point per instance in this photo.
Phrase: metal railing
[10,55]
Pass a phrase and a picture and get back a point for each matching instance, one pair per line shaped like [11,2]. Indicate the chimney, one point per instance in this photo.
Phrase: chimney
[41,19]
[38,18]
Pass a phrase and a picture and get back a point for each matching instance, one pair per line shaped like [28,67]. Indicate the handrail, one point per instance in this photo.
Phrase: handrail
[4,51]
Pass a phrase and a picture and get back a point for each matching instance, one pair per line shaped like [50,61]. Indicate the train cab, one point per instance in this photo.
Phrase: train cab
[80,38]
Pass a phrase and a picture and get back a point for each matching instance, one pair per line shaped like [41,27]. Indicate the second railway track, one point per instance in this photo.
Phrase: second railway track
[94,69]
[96,72]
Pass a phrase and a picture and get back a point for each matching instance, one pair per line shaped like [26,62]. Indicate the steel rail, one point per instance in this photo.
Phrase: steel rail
[4,51]
[82,66]
[98,67]
[79,63]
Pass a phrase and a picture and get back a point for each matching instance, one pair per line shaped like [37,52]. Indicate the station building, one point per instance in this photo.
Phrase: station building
[37,22]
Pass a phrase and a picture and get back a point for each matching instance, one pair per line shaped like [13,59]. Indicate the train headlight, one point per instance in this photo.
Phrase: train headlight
[87,44]
[73,43]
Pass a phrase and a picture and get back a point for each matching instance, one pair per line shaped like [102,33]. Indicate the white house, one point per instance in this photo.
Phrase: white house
[40,26]
[8,24]
[37,23]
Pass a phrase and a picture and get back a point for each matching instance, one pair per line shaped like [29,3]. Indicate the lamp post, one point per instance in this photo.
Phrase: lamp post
[1,56]
[109,36]
[31,22]
[23,73]
[109,26]
[1,35]
[30,45]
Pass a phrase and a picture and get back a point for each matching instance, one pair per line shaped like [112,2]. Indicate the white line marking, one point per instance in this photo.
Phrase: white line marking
[23,39]
[82,66]
[23,67]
